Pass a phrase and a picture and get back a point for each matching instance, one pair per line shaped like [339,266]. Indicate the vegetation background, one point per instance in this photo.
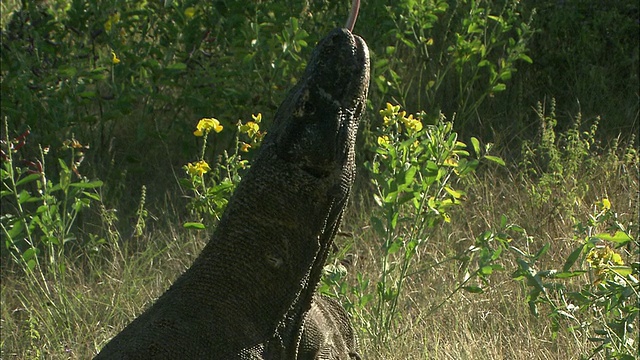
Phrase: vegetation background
[503,226]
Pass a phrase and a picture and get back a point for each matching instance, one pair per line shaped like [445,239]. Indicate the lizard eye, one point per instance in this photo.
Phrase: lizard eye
[309,108]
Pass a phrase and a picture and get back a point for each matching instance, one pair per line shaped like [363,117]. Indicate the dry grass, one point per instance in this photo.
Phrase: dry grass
[72,316]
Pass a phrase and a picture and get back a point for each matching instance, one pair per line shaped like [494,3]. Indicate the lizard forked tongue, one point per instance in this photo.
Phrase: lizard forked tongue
[353,16]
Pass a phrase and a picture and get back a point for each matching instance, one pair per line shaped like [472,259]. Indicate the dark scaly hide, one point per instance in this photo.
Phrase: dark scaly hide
[250,293]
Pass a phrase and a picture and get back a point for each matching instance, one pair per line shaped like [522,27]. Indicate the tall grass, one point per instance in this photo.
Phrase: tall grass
[73,317]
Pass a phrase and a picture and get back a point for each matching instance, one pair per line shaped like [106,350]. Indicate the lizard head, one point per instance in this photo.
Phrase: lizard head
[316,125]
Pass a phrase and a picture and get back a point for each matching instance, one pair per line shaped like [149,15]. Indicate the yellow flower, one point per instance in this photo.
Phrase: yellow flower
[413,125]
[257,118]
[189,12]
[73,143]
[383,140]
[390,110]
[605,204]
[602,257]
[616,259]
[446,217]
[259,136]
[417,125]
[251,128]
[244,147]
[112,20]
[450,162]
[390,114]
[199,168]
[114,58]
[207,124]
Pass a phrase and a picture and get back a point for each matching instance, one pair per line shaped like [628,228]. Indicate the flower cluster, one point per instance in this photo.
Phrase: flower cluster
[601,259]
[205,125]
[392,116]
[604,205]
[113,19]
[412,125]
[604,256]
[200,168]
[252,130]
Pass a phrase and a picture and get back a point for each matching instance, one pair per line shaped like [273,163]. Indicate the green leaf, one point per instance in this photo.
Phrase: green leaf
[505,75]
[177,66]
[394,247]
[25,197]
[486,270]
[194,225]
[622,270]
[27,179]
[575,254]
[30,253]
[31,264]
[91,196]
[98,73]
[88,94]
[476,145]
[68,71]
[541,252]
[16,230]
[499,87]
[393,221]
[619,238]
[473,289]
[381,63]
[409,175]
[87,185]
[391,197]
[568,274]
[526,58]
[495,159]
[494,256]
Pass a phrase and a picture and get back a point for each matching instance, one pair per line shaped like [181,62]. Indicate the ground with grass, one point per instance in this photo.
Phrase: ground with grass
[72,313]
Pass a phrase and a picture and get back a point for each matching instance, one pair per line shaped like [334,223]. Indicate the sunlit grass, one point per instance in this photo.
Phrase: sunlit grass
[96,298]
[7,7]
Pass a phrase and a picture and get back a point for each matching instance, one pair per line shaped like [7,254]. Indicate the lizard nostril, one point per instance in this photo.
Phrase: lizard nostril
[274,261]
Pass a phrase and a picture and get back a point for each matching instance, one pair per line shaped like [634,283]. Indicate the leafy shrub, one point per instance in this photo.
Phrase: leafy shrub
[40,215]
[563,161]
[418,162]
[211,193]
[607,304]
[124,75]
[451,55]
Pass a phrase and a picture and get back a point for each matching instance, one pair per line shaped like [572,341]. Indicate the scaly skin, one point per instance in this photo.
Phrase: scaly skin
[250,293]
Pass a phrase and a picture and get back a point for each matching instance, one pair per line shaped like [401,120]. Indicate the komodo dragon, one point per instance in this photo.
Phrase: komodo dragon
[250,294]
